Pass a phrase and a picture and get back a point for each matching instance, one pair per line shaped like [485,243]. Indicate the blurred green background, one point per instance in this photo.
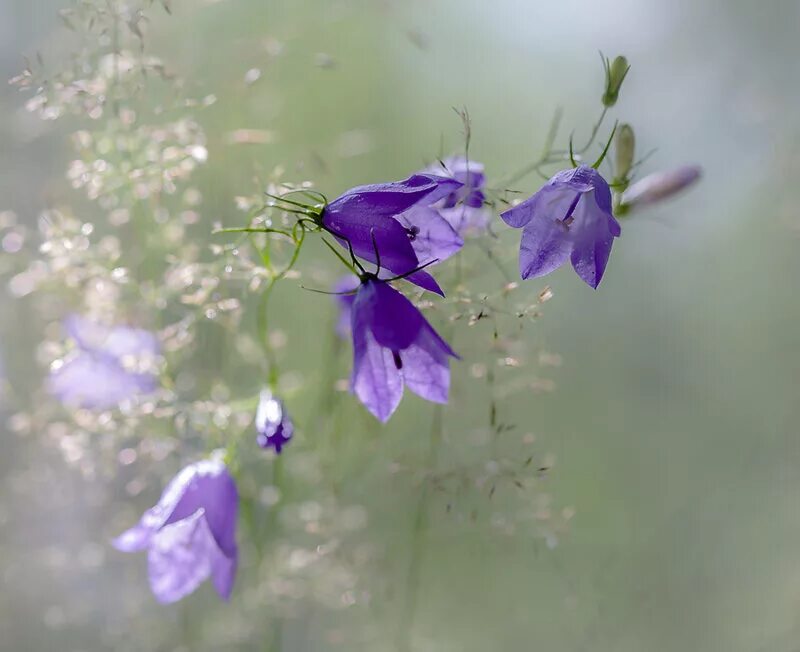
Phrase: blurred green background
[674,420]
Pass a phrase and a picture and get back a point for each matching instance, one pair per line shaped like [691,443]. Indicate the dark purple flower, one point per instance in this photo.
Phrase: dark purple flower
[102,372]
[463,208]
[394,346]
[344,302]
[190,535]
[366,217]
[568,218]
[273,425]
[660,185]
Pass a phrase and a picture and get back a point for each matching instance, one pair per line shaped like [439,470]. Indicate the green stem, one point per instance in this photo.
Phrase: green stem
[418,535]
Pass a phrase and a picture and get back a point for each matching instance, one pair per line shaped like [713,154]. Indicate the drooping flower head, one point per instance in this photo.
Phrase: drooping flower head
[463,208]
[273,424]
[660,186]
[395,347]
[366,217]
[344,290]
[102,371]
[569,218]
[190,535]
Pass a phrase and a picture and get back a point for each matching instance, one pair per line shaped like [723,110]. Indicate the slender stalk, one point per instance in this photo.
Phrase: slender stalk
[418,536]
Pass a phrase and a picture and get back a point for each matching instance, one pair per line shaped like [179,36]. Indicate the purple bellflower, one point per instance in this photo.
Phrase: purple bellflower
[99,374]
[366,218]
[394,346]
[463,208]
[190,535]
[273,425]
[344,289]
[569,218]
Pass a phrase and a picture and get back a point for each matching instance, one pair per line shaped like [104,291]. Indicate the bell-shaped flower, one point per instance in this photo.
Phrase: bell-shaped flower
[569,218]
[109,365]
[273,424]
[464,208]
[365,218]
[395,347]
[190,535]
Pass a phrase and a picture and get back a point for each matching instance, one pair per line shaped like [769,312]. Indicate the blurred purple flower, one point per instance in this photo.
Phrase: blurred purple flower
[344,303]
[394,346]
[568,218]
[660,185]
[273,425]
[98,375]
[366,217]
[190,535]
[463,208]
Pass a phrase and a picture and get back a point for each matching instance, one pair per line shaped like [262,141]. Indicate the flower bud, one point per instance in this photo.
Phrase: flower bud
[659,186]
[615,75]
[625,147]
[273,424]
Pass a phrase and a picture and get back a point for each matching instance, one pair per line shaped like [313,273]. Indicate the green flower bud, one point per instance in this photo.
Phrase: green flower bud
[615,75]
[625,147]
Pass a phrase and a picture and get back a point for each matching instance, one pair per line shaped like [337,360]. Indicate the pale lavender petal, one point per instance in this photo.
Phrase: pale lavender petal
[432,237]
[426,369]
[544,247]
[180,557]
[135,539]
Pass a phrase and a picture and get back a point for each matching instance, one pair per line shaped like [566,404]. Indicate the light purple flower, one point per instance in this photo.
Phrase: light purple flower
[190,535]
[464,208]
[98,374]
[394,346]
[660,185]
[366,217]
[569,218]
[344,302]
[273,424]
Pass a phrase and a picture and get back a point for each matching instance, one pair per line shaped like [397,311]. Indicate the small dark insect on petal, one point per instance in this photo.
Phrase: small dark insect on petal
[397,361]
[413,232]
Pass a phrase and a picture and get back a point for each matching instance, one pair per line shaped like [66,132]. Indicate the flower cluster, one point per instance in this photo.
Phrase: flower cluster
[132,297]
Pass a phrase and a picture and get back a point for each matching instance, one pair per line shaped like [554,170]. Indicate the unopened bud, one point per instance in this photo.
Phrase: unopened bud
[615,75]
[659,186]
[625,148]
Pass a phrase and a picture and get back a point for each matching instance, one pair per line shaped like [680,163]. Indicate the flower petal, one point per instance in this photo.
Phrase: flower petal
[544,246]
[426,369]
[590,256]
[181,556]
[432,236]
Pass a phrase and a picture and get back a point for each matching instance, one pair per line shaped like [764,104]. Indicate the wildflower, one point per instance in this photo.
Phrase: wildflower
[659,186]
[568,218]
[463,208]
[394,346]
[99,375]
[190,535]
[365,217]
[344,302]
[273,424]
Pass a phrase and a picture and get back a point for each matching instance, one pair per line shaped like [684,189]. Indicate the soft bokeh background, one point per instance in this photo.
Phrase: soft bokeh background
[674,418]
